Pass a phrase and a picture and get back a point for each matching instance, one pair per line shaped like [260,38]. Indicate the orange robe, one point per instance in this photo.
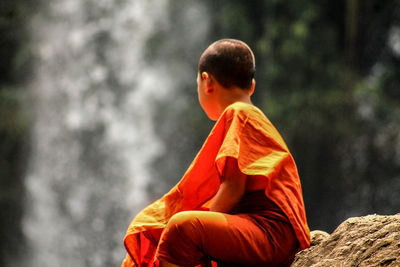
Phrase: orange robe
[242,132]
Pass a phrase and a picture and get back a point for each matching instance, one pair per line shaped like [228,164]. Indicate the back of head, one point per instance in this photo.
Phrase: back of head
[230,61]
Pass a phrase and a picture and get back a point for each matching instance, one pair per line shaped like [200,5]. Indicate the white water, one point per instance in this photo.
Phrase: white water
[93,138]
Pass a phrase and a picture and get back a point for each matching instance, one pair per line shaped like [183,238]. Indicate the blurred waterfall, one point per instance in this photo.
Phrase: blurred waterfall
[93,141]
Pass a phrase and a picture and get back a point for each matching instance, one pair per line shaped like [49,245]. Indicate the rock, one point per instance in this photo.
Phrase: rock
[371,240]
[318,236]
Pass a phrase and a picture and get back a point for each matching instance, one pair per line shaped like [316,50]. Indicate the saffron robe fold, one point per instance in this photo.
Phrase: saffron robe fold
[242,132]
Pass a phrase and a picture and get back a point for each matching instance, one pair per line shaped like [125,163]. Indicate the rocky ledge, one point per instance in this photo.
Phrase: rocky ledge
[372,240]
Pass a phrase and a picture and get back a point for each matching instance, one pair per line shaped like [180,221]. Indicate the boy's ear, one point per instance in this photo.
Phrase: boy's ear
[209,82]
[204,75]
[253,86]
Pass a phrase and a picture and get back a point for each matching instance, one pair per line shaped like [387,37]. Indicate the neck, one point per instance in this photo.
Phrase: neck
[229,96]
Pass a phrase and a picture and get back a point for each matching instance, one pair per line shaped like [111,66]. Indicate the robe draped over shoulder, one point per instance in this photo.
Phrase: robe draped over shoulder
[242,132]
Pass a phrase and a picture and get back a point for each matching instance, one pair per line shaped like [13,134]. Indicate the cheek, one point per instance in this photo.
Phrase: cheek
[202,102]
[199,97]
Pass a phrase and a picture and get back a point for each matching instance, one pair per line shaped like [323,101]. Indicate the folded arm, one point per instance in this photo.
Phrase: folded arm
[231,189]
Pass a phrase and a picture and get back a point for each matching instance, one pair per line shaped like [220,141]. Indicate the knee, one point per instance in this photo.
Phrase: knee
[185,224]
[183,217]
[181,240]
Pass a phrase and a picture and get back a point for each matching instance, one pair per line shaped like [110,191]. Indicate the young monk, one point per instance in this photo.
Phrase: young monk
[240,201]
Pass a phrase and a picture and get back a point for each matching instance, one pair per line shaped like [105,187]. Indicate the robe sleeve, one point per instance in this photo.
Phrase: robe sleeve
[253,141]
[262,153]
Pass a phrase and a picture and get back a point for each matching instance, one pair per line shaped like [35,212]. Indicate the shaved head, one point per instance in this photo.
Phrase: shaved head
[230,61]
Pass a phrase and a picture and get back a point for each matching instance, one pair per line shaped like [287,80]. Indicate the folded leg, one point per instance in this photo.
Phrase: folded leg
[194,237]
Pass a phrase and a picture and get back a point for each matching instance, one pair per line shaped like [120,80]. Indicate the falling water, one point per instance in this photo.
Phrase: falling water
[93,139]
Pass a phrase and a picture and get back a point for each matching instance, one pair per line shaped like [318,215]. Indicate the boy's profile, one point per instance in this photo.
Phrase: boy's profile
[240,201]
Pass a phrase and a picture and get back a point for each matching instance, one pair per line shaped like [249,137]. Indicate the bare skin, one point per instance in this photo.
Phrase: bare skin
[214,98]
[231,189]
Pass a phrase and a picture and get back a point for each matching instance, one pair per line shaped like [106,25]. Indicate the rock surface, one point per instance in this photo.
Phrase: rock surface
[371,240]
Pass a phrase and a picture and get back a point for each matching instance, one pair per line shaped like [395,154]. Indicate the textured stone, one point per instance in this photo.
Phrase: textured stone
[372,240]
